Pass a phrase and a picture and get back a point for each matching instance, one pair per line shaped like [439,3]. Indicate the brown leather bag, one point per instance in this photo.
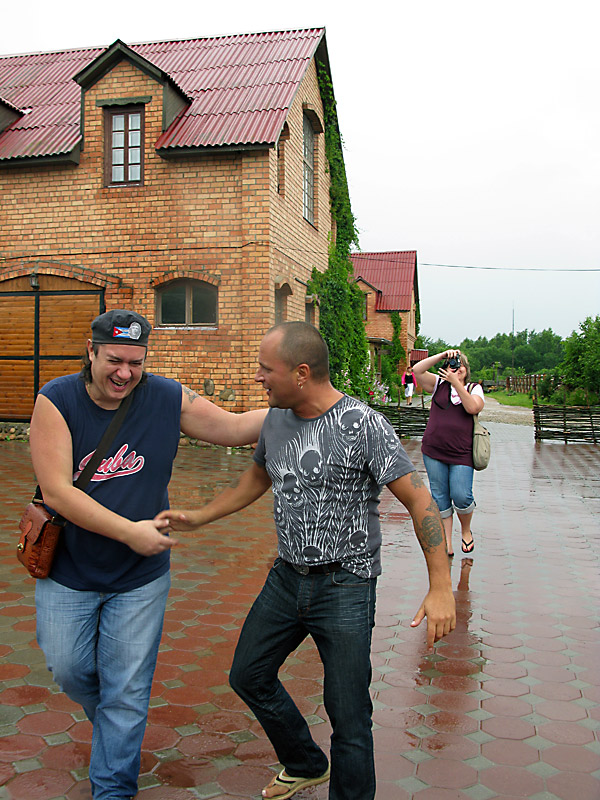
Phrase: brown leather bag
[40,531]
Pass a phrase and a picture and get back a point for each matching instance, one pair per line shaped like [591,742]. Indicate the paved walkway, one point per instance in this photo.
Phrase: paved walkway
[507,707]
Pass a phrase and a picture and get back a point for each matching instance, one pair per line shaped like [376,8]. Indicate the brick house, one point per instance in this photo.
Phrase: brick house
[187,180]
[389,283]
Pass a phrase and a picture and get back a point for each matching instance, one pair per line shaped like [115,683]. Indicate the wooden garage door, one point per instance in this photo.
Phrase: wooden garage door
[42,335]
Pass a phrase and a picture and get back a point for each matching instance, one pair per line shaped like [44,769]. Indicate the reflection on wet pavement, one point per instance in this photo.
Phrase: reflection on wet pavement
[507,705]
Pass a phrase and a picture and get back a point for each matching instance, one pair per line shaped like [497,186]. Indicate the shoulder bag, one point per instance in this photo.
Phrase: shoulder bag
[482,445]
[40,530]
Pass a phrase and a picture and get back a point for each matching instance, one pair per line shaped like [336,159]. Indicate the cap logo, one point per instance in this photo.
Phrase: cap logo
[134,331]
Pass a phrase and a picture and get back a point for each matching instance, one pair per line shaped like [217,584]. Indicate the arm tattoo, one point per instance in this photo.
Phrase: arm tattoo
[415,480]
[191,395]
[430,532]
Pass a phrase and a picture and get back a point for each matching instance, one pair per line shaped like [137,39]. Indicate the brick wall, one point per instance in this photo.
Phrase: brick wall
[217,217]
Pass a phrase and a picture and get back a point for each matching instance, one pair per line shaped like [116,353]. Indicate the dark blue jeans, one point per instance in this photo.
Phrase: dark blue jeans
[338,611]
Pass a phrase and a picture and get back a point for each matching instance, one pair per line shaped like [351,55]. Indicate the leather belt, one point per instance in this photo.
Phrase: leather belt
[315,569]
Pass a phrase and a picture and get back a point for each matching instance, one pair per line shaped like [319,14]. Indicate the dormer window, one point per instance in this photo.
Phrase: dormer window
[124,146]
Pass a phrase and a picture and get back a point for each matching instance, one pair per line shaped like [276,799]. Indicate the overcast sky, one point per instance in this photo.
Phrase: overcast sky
[471,130]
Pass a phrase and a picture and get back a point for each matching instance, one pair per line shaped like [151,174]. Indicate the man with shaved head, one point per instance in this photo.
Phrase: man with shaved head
[327,457]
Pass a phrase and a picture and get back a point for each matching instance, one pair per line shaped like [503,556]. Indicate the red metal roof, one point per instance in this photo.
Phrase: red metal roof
[241,88]
[392,274]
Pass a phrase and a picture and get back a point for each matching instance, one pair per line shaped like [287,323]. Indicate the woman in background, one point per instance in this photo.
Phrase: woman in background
[408,381]
[447,445]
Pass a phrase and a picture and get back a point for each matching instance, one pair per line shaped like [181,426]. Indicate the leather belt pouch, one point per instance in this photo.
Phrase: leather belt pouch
[40,532]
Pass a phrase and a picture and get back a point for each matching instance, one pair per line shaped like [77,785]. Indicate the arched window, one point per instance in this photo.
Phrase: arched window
[281,146]
[281,295]
[309,170]
[311,126]
[187,302]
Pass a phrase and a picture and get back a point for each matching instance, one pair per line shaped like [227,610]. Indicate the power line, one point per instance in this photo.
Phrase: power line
[512,269]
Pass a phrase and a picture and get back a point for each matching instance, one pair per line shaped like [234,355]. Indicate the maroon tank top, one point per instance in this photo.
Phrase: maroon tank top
[448,436]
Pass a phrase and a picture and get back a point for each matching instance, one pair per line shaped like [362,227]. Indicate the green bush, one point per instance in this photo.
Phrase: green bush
[581,365]
[575,397]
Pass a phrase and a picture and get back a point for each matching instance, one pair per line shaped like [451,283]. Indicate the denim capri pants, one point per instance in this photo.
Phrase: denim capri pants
[451,486]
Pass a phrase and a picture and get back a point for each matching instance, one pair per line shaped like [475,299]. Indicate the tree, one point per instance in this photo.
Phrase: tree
[524,351]
[432,345]
[581,364]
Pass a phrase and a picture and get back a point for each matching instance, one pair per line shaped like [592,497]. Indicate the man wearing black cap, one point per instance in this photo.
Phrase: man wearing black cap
[100,612]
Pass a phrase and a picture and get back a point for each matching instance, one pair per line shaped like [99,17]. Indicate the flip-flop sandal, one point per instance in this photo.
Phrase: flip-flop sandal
[293,785]
[468,547]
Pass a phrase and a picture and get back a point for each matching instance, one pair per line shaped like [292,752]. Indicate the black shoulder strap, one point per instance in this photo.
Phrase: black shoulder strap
[107,438]
[437,391]
[109,434]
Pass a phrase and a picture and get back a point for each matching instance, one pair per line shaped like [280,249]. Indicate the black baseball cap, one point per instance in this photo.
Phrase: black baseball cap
[121,327]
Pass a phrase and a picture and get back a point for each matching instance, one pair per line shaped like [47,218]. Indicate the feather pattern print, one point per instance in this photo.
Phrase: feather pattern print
[327,474]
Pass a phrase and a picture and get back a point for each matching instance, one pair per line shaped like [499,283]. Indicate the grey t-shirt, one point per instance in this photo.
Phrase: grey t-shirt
[327,474]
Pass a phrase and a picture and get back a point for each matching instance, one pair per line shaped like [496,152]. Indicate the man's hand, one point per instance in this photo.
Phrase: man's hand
[146,539]
[440,609]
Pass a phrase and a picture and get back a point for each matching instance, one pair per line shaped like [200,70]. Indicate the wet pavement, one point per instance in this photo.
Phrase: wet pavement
[508,705]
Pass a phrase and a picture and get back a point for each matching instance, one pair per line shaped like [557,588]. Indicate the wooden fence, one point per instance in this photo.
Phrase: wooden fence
[523,383]
[567,423]
[406,420]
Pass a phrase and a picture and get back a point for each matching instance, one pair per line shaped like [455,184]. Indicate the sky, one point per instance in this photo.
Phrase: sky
[471,132]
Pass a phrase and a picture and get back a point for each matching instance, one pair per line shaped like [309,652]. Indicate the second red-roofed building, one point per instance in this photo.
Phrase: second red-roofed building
[389,282]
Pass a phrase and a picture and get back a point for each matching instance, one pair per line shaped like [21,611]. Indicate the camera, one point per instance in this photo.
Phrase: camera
[452,363]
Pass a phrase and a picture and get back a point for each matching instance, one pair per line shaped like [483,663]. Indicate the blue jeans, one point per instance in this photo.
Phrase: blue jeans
[338,611]
[102,650]
[451,486]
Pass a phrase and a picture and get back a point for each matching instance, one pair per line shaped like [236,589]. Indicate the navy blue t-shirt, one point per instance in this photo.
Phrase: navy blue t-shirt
[131,480]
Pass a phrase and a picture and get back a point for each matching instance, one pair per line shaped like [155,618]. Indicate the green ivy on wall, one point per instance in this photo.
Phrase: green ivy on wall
[341,301]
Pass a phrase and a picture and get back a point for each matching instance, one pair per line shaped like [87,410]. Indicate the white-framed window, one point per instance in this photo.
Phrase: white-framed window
[124,146]
[187,302]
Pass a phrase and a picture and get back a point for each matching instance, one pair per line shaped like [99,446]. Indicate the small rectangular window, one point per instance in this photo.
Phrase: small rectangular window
[124,142]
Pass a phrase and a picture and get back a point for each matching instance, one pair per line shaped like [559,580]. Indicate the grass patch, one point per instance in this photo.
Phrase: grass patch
[506,399]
